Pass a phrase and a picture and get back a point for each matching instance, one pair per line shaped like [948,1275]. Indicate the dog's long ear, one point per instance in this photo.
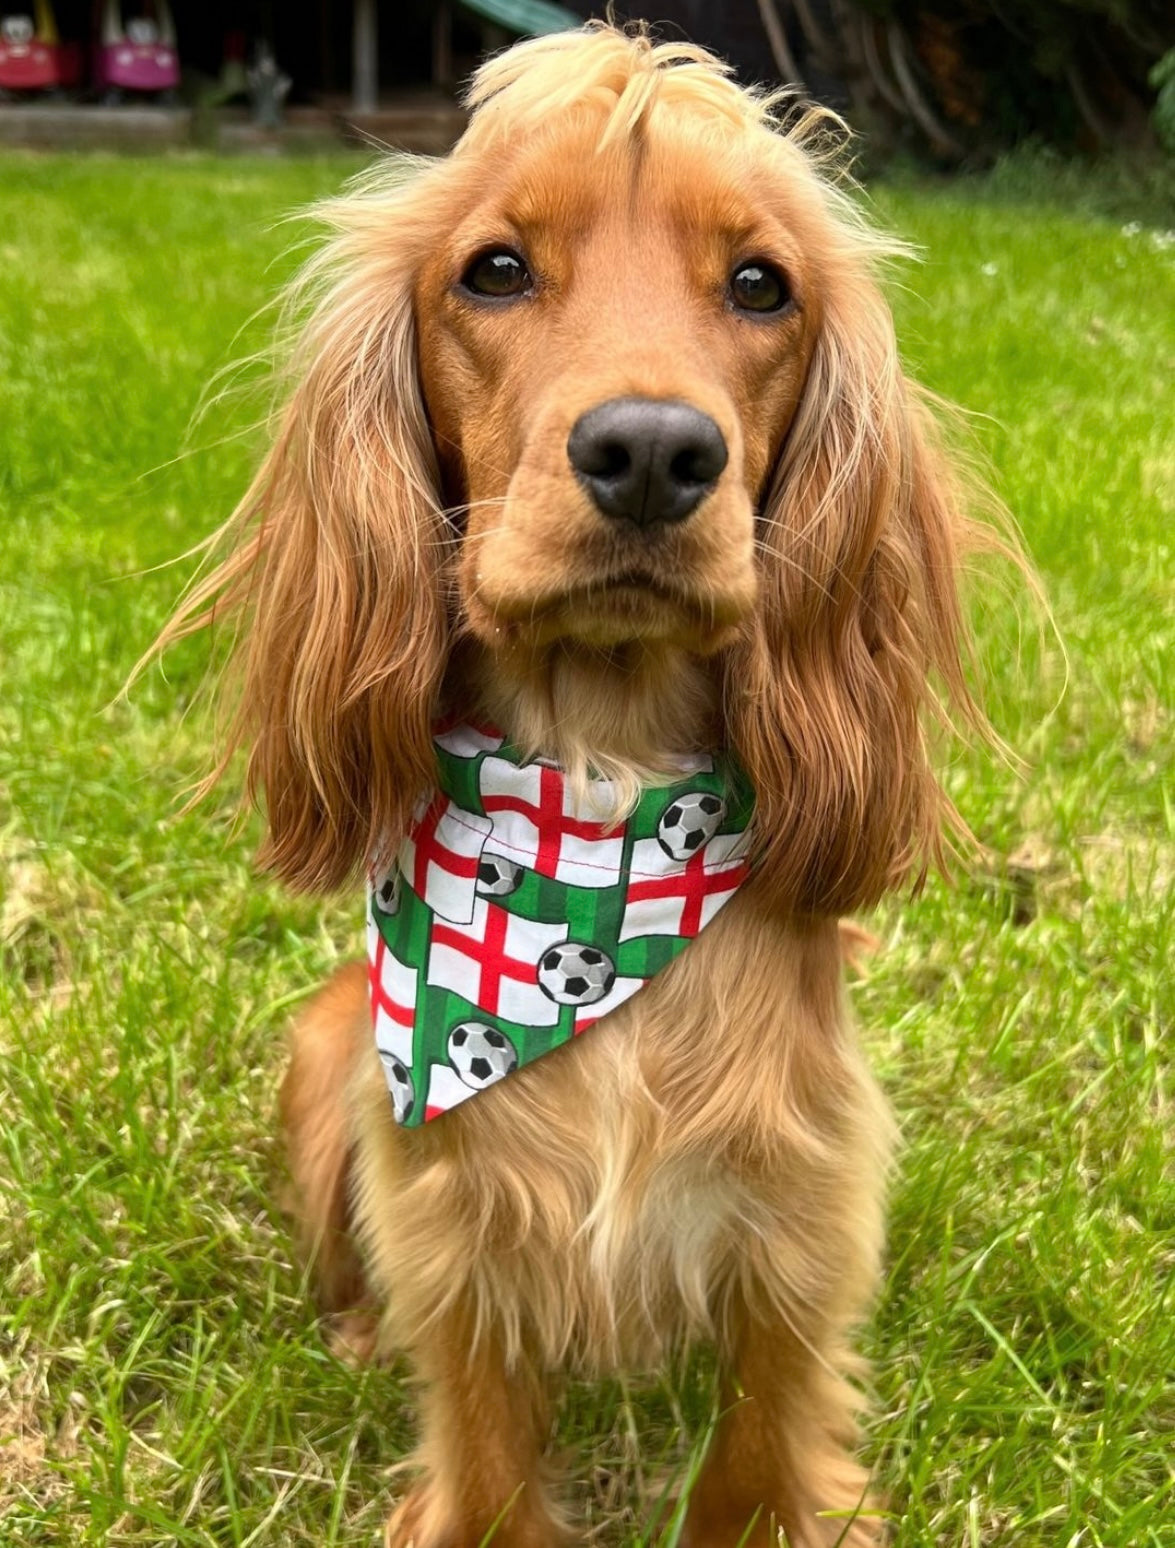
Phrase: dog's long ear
[334,568]
[859,612]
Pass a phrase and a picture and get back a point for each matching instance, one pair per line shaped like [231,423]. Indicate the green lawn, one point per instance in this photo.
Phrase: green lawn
[162,1378]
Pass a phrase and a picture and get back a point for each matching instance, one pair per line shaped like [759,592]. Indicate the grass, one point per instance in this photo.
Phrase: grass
[1139,187]
[162,1379]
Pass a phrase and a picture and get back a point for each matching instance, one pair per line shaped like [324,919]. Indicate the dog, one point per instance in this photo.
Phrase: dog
[597,440]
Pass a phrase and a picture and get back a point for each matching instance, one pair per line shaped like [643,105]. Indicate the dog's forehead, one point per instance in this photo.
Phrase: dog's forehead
[676,172]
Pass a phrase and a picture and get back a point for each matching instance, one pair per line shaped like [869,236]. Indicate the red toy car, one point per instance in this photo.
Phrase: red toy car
[32,56]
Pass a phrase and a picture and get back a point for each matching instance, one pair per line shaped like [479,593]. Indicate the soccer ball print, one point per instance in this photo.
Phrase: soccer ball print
[386,891]
[498,877]
[480,1054]
[400,1087]
[572,974]
[690,823]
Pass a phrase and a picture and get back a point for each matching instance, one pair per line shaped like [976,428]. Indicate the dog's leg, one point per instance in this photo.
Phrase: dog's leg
[782,1454]
[484,1431]
[327,1038]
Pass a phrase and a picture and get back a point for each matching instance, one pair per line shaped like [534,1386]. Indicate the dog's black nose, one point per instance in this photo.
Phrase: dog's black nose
[644,460]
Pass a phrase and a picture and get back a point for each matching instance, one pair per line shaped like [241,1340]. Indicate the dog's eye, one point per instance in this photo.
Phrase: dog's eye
[759,287]
[499,274]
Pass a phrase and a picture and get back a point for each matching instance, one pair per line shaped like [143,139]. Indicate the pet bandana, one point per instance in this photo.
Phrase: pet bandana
[514,917]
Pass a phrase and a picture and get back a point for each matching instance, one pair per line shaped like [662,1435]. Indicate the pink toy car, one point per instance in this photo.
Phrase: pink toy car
[138,56]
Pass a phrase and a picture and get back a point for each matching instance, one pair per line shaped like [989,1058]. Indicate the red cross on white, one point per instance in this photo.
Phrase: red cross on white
[439,857]
[676,897]
[493,962]
[538,823]
[464,740]
[392,985]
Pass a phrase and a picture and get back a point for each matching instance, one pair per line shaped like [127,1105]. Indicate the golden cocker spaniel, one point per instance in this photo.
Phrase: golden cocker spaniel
[597,435]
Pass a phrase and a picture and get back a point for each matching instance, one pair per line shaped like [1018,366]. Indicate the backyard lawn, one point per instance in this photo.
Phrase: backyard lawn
[162,1376]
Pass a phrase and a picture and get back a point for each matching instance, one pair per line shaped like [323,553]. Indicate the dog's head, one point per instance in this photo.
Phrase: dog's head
[614,331]
[615,379]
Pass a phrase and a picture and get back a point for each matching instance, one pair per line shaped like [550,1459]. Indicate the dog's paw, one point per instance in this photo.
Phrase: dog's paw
[353,1338]
[735,1525]
[409,1526]
[419,1522]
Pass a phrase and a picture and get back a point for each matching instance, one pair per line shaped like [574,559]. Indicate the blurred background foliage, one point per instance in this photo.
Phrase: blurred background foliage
[961,81]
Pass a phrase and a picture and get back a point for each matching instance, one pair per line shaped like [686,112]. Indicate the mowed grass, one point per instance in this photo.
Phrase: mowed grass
[162,1377]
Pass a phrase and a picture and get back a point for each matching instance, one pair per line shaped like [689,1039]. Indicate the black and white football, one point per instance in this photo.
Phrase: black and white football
[690,823]
[571,974]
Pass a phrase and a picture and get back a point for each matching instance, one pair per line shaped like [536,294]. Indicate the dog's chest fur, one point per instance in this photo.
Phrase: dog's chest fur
[640,1220]
[635,1181]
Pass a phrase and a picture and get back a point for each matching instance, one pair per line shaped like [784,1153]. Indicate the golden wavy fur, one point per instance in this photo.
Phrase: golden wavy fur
[416,542]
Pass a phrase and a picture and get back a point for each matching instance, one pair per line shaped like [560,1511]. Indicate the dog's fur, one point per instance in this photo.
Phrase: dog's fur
[416,543]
